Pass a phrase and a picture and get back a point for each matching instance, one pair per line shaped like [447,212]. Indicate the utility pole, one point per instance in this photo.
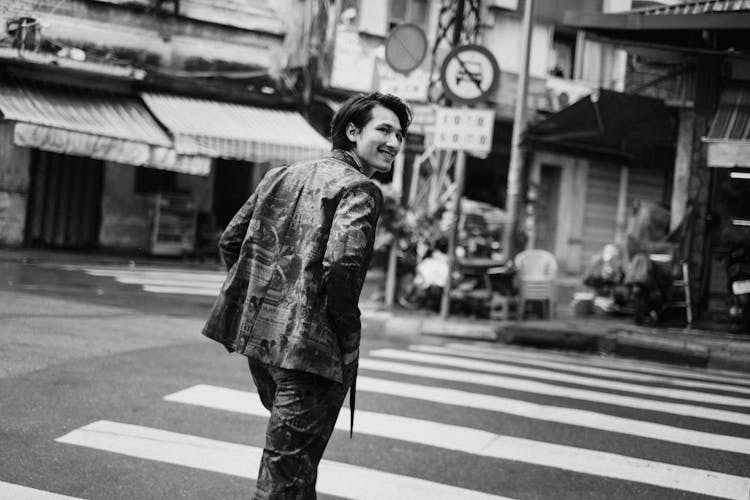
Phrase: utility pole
[515,168]
[459,174]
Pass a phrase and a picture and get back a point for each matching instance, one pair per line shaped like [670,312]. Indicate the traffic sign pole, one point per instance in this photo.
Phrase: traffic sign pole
[453,236]
[519,124]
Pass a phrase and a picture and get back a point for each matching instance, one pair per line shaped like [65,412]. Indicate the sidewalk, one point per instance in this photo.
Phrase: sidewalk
[709,348]
[697,347]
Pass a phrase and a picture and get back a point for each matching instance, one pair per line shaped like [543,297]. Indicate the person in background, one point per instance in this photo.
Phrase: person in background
[296,255]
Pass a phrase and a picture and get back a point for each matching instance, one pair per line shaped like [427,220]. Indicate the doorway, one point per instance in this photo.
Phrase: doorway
[64,206]
[233,185]
[547,208]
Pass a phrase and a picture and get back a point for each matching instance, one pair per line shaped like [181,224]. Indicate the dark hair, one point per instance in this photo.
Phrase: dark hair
[358,110]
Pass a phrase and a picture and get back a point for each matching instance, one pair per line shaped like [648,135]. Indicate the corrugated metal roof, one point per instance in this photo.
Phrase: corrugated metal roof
[732,119]
[703,7]
[225,130]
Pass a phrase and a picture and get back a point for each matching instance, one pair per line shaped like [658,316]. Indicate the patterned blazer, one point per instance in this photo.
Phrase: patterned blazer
[296,254]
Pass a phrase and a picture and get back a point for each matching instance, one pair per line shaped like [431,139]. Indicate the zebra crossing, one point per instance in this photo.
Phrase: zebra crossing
[629,404]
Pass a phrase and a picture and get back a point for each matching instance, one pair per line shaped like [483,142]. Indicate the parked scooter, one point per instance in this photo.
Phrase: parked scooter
[605,276]
[421,286]
[649,271]
[737,265]
[474,283]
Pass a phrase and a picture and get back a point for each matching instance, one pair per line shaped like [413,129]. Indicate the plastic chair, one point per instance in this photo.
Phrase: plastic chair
[536,273]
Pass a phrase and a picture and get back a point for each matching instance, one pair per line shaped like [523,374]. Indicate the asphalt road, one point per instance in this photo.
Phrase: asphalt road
[108,391]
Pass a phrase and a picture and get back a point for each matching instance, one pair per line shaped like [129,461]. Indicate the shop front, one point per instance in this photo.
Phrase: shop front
[153,174]
[243,141]
[589,164]
[728,157]
[60,144]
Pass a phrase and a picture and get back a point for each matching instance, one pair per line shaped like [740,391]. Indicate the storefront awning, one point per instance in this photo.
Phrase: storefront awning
[606,123]
[679,25]
[234,131]
[91,123]
[728,140]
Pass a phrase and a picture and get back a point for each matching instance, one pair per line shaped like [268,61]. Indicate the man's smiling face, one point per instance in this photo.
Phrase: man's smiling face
[379,141]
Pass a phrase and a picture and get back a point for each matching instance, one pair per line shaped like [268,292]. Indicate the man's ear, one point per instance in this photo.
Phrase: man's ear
[352,132]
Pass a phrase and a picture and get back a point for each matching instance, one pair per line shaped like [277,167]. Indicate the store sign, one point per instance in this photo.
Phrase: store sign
[464,129]
[411,87]
[353,62]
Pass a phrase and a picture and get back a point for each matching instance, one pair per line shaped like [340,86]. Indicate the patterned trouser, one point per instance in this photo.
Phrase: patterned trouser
[304,408]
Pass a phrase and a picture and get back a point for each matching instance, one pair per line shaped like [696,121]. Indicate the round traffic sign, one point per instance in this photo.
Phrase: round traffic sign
[469,74]
[405,48]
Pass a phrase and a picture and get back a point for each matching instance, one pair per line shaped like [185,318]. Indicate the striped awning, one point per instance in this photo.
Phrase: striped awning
[234,131]
[728,140]
[92,123]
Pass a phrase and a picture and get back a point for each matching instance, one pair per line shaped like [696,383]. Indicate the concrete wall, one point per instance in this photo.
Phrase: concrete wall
[14,187]
[207,34]
[127,217]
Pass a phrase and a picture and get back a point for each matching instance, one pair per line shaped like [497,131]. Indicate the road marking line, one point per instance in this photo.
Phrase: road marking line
[207,292]
[483,443]
[495,355]
[154,280]
[159,278]
[123,270]
[473,364]
[530,386]
[557,414]
[334,478]
[727,376]
[18,492]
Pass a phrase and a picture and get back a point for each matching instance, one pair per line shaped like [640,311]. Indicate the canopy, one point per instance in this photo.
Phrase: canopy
[234,131]
[680,26]
[606,123]
[91,123]
[728,140]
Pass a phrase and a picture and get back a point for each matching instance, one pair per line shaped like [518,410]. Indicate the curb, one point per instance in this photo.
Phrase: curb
[645,345]
[394,325]
[631,344]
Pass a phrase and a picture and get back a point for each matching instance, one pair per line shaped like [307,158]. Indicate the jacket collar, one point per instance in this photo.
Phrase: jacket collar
[348,158]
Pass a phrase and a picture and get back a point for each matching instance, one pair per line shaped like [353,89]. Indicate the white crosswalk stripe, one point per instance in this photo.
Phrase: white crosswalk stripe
[562,377]
[468,378]
[487,444]
[159,279]
[239,460]
[511,357]
[519,384]
[12,491]
[558,414]
[722,376]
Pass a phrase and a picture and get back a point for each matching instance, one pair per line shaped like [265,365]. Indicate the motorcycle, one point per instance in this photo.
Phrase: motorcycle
[474,282]
[421,281]
[737,265]
[605,276]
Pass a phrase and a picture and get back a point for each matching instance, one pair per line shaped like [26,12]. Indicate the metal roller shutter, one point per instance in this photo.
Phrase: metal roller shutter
[600,214]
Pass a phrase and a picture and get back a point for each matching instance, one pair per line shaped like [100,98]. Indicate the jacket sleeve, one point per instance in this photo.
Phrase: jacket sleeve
[347,258]
[234,234]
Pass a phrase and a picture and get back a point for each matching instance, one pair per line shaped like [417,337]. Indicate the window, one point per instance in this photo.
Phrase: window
[408,11]
[561,62]
[152,180]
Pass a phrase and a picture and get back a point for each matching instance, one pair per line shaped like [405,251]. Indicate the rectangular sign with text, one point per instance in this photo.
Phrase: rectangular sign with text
[463,128]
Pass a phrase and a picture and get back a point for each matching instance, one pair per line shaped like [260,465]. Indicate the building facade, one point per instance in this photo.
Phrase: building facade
[695,58]
[142,126]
